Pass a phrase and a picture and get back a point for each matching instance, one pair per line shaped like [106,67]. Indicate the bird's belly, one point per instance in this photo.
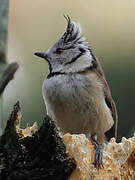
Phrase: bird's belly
[72,103]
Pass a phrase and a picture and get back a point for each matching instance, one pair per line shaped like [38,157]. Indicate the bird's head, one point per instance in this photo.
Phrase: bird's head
[71,53]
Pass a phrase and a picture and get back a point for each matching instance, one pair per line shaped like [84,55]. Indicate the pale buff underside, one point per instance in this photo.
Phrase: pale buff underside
[77,103]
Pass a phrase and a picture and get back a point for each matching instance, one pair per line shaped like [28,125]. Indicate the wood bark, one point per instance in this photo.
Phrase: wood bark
[33,155]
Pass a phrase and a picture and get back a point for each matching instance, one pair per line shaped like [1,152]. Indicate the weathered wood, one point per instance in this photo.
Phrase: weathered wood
[41,156]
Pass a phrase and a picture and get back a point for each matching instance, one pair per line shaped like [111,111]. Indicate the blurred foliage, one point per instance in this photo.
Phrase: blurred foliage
[109,27]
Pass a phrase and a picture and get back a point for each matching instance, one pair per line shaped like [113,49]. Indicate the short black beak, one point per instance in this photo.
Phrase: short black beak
[41,54]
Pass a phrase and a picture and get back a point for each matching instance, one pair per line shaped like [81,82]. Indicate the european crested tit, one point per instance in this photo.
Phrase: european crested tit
[76,92]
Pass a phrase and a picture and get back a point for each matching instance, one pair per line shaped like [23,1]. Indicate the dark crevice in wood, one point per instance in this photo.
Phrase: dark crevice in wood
[41,156]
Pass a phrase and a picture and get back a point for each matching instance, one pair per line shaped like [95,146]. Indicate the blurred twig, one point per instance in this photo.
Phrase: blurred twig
[7,76]
[6,71]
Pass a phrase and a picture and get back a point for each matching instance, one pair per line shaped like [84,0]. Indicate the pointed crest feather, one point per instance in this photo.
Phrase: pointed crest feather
[73,32]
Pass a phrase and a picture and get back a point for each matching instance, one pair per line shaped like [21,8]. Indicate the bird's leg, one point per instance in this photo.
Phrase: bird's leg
[98,152]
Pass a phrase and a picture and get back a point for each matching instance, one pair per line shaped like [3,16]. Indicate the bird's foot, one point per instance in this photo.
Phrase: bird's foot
[98,163]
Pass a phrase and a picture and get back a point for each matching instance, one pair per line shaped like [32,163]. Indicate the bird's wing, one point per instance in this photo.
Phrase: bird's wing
[109,100]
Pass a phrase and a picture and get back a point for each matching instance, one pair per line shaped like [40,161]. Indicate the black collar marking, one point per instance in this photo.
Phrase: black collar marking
[52,74]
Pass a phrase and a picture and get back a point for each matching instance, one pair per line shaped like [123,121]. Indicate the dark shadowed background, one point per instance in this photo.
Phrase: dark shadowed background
[110,29]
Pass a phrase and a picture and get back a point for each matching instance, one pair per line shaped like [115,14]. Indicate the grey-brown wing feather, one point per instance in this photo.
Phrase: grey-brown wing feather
[109,101]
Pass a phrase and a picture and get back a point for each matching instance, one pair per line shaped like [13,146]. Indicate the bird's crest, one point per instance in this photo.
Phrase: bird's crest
[73,34]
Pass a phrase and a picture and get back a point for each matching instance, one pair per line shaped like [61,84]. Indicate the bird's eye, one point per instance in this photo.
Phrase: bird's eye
[58,51]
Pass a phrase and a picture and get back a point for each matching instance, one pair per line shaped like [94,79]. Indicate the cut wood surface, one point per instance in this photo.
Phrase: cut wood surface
[118,159]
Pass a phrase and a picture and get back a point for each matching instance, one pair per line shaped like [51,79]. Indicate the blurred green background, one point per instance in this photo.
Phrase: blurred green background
[110,29]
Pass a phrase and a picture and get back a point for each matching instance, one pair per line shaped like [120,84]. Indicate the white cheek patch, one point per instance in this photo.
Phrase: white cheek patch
[82,63]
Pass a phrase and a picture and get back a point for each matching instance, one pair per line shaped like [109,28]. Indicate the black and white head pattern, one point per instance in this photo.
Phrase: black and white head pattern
[72,52]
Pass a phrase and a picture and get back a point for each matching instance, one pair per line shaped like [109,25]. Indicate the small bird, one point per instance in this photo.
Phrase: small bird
[76,93]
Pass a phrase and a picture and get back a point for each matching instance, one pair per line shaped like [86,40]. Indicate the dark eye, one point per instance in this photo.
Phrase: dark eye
[58,51]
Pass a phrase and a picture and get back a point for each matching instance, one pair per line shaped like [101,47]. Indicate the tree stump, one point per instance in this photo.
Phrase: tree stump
[41,154]
[33,154]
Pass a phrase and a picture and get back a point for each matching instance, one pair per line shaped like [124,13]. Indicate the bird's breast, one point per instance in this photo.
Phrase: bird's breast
[76,102]
[68,91]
